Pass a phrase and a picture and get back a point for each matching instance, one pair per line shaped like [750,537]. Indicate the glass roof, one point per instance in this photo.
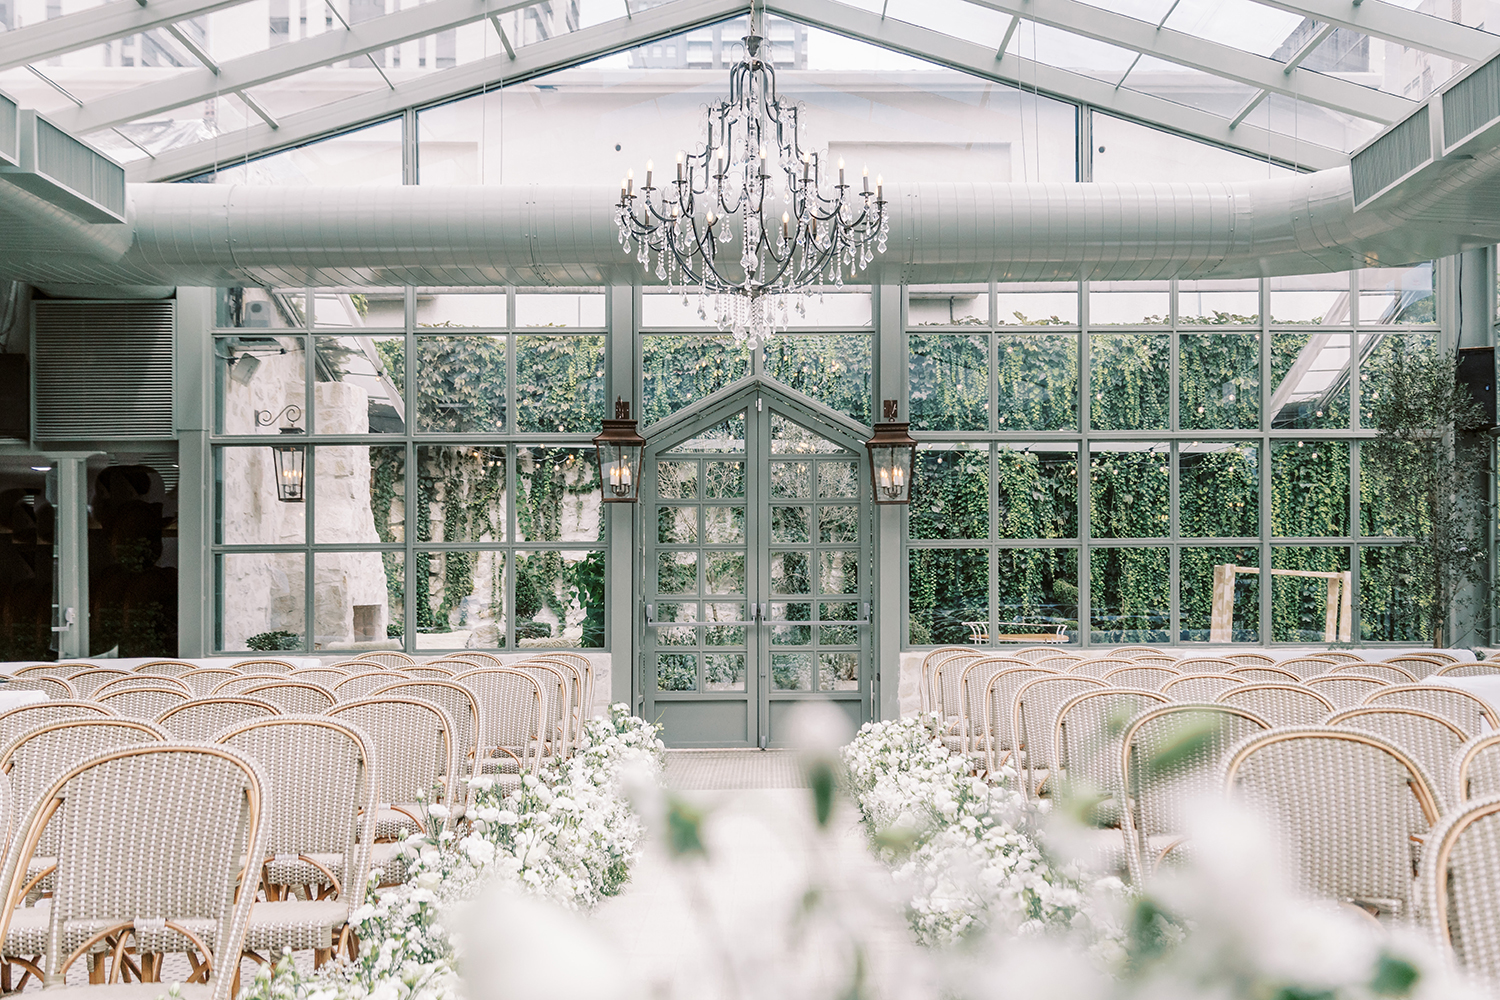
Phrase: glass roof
[1200,68]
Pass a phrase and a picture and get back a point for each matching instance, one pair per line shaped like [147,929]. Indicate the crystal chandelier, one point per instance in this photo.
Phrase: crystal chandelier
[749,170]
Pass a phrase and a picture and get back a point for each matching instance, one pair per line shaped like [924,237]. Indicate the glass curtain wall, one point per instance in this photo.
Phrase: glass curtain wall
[408,468]
[1122,462]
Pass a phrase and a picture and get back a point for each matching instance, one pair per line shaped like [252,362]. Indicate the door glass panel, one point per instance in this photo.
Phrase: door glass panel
[838,672]
[677,671]
[791,671]
[724,480]
[677,525]
[677,573]
[839,572]
[791,480]
[723,525]
[726,436]
[836,480]
[724,573]
[724,672]
[790,438]
[838,524]
[789,573]
[789,525]
[677,480]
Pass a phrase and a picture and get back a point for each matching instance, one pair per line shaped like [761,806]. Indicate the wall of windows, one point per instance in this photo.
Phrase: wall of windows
[1111,462]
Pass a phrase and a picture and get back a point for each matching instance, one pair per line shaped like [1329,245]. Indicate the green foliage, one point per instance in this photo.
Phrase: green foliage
[1129,380]
[950,381]
[1309,489]
[559,383]
[834,369]
[1298,604]
[1219,491]
[950,495]
[1036,588]
[1218,380]
[1037,493]
[1038,382]
[1196,582]
[1130,494]
[461,383]
[947,588]
[680,369]
[1130,595]
[271,642]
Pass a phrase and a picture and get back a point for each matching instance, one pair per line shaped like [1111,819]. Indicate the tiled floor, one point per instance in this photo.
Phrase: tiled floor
[730,770]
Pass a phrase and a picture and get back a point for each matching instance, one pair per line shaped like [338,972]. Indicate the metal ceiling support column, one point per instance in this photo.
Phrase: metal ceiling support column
[71,543]
[890,383]
[192,410]
[622,601]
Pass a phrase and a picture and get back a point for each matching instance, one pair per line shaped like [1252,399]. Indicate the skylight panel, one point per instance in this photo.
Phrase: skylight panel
[1241,23]
[1191,87]
[957,18]
[1065,50]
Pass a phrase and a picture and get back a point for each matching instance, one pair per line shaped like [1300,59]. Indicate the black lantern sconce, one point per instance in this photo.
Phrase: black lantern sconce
[619,447]
[892,454]
[290,459]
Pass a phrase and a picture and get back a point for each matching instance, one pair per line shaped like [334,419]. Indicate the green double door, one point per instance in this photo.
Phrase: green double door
[756,572]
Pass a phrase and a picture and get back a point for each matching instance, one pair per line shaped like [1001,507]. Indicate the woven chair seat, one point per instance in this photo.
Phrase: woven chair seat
[27,934]
[394,822]
[294,923]
[130,991]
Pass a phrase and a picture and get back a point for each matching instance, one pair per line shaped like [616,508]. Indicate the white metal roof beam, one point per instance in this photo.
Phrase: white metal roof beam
[1309,47]
[979,60]
[97,25]
[1209,57]
[540,58]
[278,63]
[1397,24]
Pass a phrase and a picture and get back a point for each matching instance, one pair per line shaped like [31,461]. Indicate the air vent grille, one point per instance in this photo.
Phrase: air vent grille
[1472,103]
[1385,161]
[103,371]
[69,162]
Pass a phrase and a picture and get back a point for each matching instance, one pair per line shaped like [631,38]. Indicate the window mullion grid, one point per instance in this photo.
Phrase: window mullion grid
[1085,478]
[409,533]
[309,474]
[1263,463]
[1174,421]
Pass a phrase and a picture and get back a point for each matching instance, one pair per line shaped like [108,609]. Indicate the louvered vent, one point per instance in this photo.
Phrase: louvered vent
[70,174]
[10,138]
[103,370]
[1385,161]
[1472,103]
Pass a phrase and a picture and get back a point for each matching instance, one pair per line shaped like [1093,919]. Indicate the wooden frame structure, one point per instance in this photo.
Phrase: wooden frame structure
[1338,613]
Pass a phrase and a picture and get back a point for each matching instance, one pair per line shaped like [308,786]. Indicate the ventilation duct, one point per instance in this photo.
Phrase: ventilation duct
[102,371]
[1471,104]
[68,173]
[1392,157]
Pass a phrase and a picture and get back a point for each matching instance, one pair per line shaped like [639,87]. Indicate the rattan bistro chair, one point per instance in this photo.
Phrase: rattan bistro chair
[205,679]
[585,670]
[462,708]
[995,736]
[1205,665]
[513,712]
[136,681]
[1457,882]
[1152,677]
[1261,674]
[1476,768]
[1251,659]
[1340,656]
[388,658]
[1432,740]
[235,684]
[1388,672]
[1200,687]
[414,760]
[86,681]
[555,683]
[356,687]
[1133,652]
[434,671]
[1280,704]
[264,666]
[164,668]
[1420,665]
[474,658]
[1087,742]
[51,669]
[976,678]
[576,683]
[144,703]
[929,662]
[322,676]
[948,695]
[20,720]
[192,846]
[320,826]
[1032,654]
[1469,712]
[1307,666]
[204,718]
[1346,690]
[1346,806]
[1472,668]
[1099,666]
[293,697]
[1033,718]
[52,687]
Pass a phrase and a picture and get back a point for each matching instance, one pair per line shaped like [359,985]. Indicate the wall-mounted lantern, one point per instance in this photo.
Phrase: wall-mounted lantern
[619,448]
[892,454]
[290,459]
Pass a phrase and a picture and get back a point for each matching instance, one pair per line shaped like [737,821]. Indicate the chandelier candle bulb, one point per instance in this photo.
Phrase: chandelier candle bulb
[648,175]
[630,182]
[867,180]
[679,166]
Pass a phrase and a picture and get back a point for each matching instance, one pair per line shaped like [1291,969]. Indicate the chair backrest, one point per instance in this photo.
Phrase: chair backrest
[1132,652]
[85,681]
[24,718]
[1194,740]
[35,759]
[1033,719]
[155,681]
[358,686]
[1419,664]
[320,799]
[995,712]
[1307,666]
[1457,882]
[475,658]
[201,719]
[1432,740]
[1200,687]
[1251,659]
[1280,704]
[144,703]
[52,669]
[1345,805]
[975,679]
[554,683]
[1471,668]
[1388,672]
[1152,677]
[585,670]
[175,870]
[321,676]
[1259,673]
[414,752]
[1087,737]
[1470,712]
[1152,660]
[947,682]
[165,668]
[387,658]
[1061,661]
[1340,656]
[513,712]
[1476,768]
[51,686]
[293,697]
[342,666]
[1099,666]
[432,671]
[264,666]
[1441,655]
[205,679]
[1033,654]
[1345,690]
[576,684]
[924,676]
[460,704]
[232,686]
[1205,665]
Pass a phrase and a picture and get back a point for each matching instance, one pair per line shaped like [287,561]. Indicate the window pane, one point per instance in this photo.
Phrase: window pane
[1129,303]
[460,307]
[1207,579]
[267,308]
[461,384]
[356,388]
[1036,303]
[947,589]
[1310,380]
[560,599]
[1395,601]
[1219,302]
[950,381]
[1381,351]
[830,308]
[1037,591]
[678,370]
[342,308]
[262,601]
[557,495]
[1397,296]
[1129,591]
[1218,380]
[248,510]
[1303,609]
[1382,471]
[1130,485]
[1038,491]
[585,309]
[461,494]
[358,599]
[1129,381]
[948,305]
[258,379]
[559,384]
[950,492]
[833,369]
[460,600]
[359,493]
[1218,489]
[1321,299]
[1309,488]
[1038,382]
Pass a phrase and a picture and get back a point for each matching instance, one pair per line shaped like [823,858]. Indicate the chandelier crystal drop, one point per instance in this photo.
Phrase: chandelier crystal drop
[798,225]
